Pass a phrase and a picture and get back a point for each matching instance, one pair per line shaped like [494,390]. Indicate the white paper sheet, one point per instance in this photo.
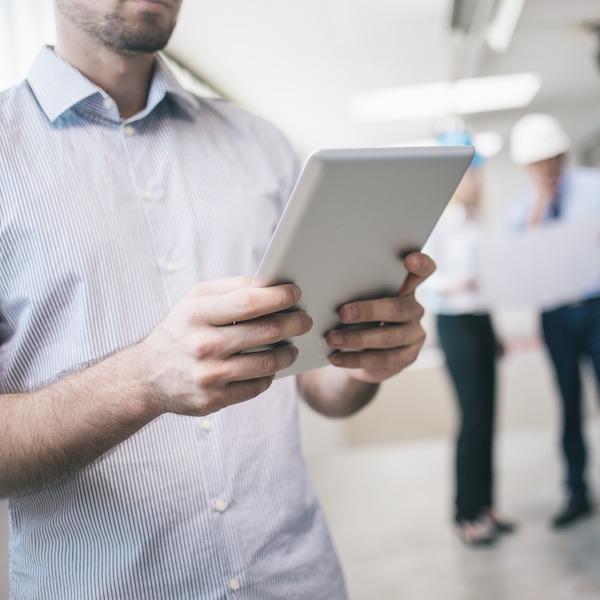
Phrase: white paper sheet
[542,268]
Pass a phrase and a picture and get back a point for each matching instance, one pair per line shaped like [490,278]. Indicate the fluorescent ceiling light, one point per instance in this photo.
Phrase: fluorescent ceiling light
[444,98]
[502,27]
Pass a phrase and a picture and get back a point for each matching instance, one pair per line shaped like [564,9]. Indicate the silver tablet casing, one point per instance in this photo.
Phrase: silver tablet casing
[352,216]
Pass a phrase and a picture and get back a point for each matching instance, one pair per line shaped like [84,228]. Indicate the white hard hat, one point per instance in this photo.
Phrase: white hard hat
[535,137]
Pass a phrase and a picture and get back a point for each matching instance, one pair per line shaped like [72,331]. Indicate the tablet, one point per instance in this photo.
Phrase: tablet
[352,216]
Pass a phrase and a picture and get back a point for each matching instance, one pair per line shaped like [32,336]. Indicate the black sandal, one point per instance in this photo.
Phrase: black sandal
[501,526]
[486,537]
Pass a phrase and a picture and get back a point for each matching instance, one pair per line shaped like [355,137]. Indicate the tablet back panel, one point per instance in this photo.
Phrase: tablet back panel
[350,218]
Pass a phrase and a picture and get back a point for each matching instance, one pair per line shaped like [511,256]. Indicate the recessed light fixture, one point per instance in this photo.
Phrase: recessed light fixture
[503,25]
[442,98]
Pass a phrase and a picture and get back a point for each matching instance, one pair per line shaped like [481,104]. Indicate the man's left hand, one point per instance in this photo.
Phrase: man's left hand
[376,353]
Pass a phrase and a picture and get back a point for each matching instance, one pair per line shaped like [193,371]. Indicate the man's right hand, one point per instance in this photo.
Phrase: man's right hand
[191,361]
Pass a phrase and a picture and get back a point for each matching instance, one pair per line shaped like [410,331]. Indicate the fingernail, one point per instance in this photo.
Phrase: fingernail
[336,338]
[335,359]
[350,312]
[297,293]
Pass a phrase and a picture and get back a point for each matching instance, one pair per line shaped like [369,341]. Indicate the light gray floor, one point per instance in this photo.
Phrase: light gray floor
[389,509]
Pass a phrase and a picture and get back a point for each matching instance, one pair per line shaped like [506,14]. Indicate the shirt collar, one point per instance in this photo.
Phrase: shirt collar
[58,86]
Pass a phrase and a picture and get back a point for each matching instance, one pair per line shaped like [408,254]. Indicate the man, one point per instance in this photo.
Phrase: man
[134,463]
[572,332]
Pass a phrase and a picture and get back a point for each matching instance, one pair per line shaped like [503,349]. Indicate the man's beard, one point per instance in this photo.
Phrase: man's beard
[113,31]
[148,36]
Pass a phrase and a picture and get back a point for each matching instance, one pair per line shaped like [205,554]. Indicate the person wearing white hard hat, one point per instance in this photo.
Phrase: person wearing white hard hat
[572,332]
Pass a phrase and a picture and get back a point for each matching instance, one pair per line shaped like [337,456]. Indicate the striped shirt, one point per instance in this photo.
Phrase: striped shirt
[105,224]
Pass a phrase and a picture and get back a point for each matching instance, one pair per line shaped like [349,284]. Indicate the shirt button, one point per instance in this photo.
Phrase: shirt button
[206,424]
[107,103]
[171,267]
[234,584]
[149,195]
[129,130]
[221,505]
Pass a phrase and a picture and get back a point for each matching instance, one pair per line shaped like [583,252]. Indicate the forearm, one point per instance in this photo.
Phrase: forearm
[48,435]
[191,363]
[333,393]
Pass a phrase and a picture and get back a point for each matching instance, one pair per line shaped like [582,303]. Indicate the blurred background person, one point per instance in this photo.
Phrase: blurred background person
[467,338]
[572,332]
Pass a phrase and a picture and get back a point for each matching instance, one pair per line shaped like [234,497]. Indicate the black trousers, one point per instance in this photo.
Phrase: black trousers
[470,348]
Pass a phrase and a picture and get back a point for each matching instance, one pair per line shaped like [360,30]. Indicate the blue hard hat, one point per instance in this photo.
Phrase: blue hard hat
[459,137]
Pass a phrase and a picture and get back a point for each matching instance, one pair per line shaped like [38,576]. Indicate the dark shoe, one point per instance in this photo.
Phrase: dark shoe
[577,508]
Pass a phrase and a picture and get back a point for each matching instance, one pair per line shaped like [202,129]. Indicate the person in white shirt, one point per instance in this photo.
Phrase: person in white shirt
[468,341]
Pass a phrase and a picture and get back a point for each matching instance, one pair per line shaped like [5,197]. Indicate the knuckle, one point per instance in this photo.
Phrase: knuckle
[245,304]
[268,363]
[208,378]
[270,329]
[213,402]
[419,311]
[205,348]
[389,337]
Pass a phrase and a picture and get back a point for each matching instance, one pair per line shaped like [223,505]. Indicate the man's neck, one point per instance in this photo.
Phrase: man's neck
[124,77]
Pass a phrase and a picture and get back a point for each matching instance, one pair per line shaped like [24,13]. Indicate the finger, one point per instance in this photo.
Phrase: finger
[240,391]
[398,309]
[244,367]
[377,337]
[392,361]
[245,304]
[230,393]
[419,267]
[265,331]
[228,340]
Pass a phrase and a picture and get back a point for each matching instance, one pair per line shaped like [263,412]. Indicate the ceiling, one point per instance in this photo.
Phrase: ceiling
[298,62]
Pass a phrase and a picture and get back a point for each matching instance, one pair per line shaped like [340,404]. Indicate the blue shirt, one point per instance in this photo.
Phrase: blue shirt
[105,224]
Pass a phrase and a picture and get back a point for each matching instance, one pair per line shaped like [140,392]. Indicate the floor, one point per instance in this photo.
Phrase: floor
[389,514]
